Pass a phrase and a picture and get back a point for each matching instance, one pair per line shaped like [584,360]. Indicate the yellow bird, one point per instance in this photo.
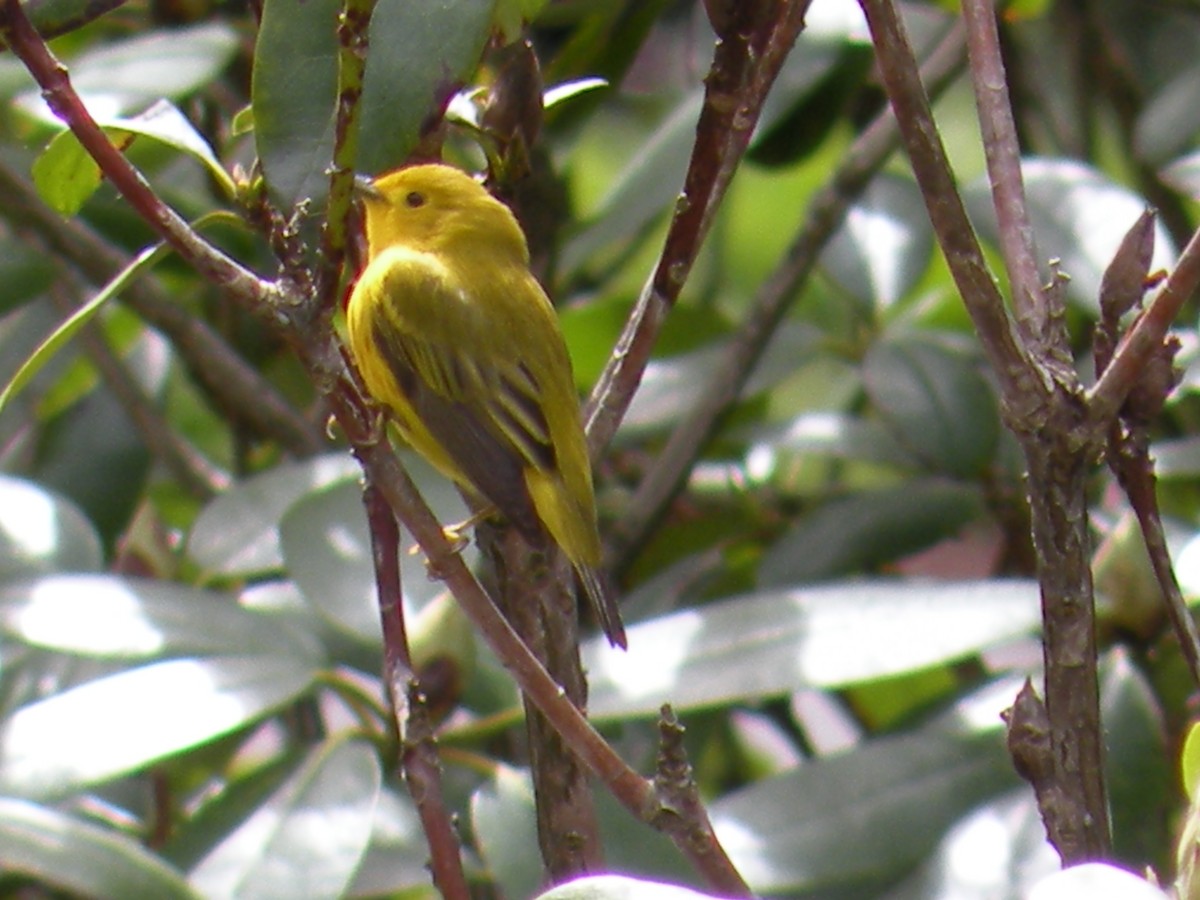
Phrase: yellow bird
[454,335]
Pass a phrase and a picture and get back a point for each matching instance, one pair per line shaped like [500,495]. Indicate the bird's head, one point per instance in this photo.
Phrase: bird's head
[437,208]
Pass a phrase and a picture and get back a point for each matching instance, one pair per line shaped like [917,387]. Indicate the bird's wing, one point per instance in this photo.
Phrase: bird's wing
[476,398]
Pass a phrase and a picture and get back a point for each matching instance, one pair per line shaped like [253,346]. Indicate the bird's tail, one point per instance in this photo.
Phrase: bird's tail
[604,605]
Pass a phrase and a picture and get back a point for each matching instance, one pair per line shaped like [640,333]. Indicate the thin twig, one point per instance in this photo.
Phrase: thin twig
[865,156]
[418,760]
[755,40]
[1002,151]
[353,24]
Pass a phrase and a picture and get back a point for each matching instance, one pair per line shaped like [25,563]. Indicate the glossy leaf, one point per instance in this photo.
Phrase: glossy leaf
[127,618]
[772,643]
[1079,217]
[80,857]
[294,88]
[327,551]
[503,817]
[123,722]
[1004,841]
[66,176]
[1140,782]
[238,532]
[884,245]
[936,402]
[42,532]
[868,529]
[119,77]
[421,53]
[308,839]
[672,386]
[618,887]
[847,820]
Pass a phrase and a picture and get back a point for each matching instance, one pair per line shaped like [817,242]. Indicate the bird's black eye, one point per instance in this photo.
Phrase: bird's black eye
[415,199]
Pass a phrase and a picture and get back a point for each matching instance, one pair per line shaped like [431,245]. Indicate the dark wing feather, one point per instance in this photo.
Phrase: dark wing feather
[486,454]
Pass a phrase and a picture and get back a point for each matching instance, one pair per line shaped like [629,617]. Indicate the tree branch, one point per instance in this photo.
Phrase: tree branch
[826,212]
[1044,405]
[755,38]
[418,760]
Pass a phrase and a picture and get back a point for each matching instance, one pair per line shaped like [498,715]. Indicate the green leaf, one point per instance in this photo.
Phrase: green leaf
[421,53]
[1190,760]
[294,88]
[1096,881]
[645,190]
[238,532]
[110,617]
[936,402]
[865,816]
[41,532]
[772,643]
[672,386]
[884,245]
[92,455]
[327,551]
[81,858]
[837,435]
[118,77]
[308,839]
[868,529]
[66,176]
[512,15]
[121,723]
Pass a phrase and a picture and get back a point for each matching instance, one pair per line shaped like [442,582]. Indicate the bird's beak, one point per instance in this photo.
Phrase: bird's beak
[365,188]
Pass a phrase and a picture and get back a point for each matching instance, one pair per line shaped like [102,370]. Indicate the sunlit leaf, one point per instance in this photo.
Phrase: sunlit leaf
[238,533]
[41,532]
[775,642]
[307,840]
[121,723]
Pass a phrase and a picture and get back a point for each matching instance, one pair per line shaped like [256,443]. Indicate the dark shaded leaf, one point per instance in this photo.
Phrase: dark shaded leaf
[935,401]
[868,529]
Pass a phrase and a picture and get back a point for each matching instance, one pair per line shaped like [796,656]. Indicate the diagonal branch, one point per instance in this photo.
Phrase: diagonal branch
[52,78]
[864,158]
[755,38]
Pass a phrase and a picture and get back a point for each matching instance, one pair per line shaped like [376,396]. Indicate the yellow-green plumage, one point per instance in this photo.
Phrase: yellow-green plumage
[454,335]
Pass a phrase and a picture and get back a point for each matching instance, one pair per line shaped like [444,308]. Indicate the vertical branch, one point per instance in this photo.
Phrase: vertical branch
[1002,151]
[410,714]
[1044,405]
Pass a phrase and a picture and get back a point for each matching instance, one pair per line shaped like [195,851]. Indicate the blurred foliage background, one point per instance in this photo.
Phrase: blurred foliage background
[838,604]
